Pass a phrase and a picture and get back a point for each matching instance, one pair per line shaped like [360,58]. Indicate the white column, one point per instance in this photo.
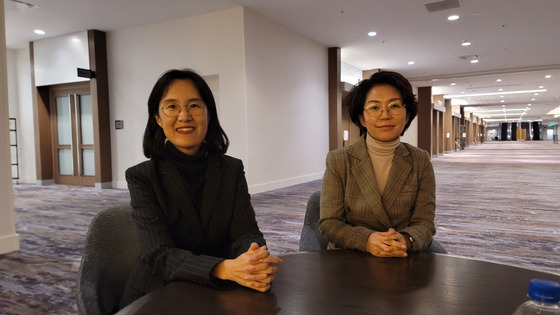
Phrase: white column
[9,240]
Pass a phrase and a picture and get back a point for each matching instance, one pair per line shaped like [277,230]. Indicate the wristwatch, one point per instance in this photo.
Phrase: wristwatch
[411,241]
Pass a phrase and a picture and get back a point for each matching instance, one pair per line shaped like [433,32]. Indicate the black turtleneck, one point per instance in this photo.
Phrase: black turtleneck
[192,168]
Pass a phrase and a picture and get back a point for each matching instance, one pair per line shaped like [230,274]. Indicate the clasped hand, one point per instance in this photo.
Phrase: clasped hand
[253,269]
[387,244]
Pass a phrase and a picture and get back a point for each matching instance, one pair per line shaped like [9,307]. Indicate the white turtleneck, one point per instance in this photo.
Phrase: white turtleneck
[381,155]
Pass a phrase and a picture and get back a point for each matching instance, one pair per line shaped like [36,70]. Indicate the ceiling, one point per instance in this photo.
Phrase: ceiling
[515,41]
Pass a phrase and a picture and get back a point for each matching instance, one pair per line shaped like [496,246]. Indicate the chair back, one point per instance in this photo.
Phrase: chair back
[311,238]
[111,249]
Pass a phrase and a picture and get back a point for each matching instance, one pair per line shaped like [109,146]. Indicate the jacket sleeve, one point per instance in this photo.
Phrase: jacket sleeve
[332,223]
[159,253]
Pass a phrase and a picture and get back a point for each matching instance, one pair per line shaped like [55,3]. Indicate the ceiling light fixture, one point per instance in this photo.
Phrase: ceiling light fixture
[453,17]
[410,62]
[493,93]
[371,34]
[474,61]
[39,32]
[466,43]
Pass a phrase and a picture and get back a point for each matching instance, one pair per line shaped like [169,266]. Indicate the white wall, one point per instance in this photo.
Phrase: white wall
[287,101]
[9,240]
[56,59]
[272,94]
[21,108]
[211,44]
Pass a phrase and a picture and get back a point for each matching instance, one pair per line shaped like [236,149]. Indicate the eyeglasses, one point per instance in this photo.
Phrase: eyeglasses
[172,110]
[393,109]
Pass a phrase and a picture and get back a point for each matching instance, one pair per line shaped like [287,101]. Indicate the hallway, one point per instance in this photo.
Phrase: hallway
[500,201]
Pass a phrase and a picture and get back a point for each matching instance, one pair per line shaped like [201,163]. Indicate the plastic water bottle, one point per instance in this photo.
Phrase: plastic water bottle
[545,299]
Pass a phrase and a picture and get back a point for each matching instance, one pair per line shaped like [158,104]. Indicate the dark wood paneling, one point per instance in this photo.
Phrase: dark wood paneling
[425,125]
[42,128]
[99,86]
[335,99]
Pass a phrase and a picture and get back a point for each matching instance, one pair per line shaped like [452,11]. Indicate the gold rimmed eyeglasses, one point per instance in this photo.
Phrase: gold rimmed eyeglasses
[393,109]
[172,110]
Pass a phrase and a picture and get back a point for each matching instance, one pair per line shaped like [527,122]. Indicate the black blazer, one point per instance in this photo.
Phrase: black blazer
[177,242]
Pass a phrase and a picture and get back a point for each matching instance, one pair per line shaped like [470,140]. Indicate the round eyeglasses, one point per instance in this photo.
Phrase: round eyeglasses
[172,110]
[394,109]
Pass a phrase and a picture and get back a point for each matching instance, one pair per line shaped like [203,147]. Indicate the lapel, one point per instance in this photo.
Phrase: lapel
[398,174]
[362,170]
[177,197]
[212,186]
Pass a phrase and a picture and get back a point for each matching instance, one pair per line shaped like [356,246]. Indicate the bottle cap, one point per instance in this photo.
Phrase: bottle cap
[544,291]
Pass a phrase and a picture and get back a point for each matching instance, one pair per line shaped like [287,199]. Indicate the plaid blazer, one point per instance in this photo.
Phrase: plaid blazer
[352,208]
[177,243]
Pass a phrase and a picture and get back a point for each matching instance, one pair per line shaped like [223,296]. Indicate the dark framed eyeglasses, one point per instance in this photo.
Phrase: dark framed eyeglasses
[194,109]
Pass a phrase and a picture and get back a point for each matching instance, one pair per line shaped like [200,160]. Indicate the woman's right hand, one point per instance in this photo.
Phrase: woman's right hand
[253,269]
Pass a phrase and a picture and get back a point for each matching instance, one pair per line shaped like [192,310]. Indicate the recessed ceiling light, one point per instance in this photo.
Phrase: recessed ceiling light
[453,17]
[500,89]
[371,34]
[453,84]
[541,86]
[536,94]
[474,61]
[498,80]
[502,101]
[39,32]
[410,62]
[465,43]
[548,76]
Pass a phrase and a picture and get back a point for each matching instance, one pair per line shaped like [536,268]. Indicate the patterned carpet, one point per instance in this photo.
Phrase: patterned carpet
[499,201]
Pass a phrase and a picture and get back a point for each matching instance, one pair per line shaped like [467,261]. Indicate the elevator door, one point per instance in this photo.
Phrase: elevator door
[72,134]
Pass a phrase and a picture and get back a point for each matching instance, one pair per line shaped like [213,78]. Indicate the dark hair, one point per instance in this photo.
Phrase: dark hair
[356,98]
[154,138]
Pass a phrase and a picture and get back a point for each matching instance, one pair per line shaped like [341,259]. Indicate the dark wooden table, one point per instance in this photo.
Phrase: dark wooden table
[350,282]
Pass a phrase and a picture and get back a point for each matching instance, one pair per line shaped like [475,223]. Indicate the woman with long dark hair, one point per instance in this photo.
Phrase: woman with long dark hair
[190,201]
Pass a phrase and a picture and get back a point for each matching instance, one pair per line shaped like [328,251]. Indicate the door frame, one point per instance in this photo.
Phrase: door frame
[99,88]
[71,90]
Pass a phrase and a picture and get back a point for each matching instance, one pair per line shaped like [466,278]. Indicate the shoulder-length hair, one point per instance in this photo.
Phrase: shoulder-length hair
[154,138]
[356,98]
